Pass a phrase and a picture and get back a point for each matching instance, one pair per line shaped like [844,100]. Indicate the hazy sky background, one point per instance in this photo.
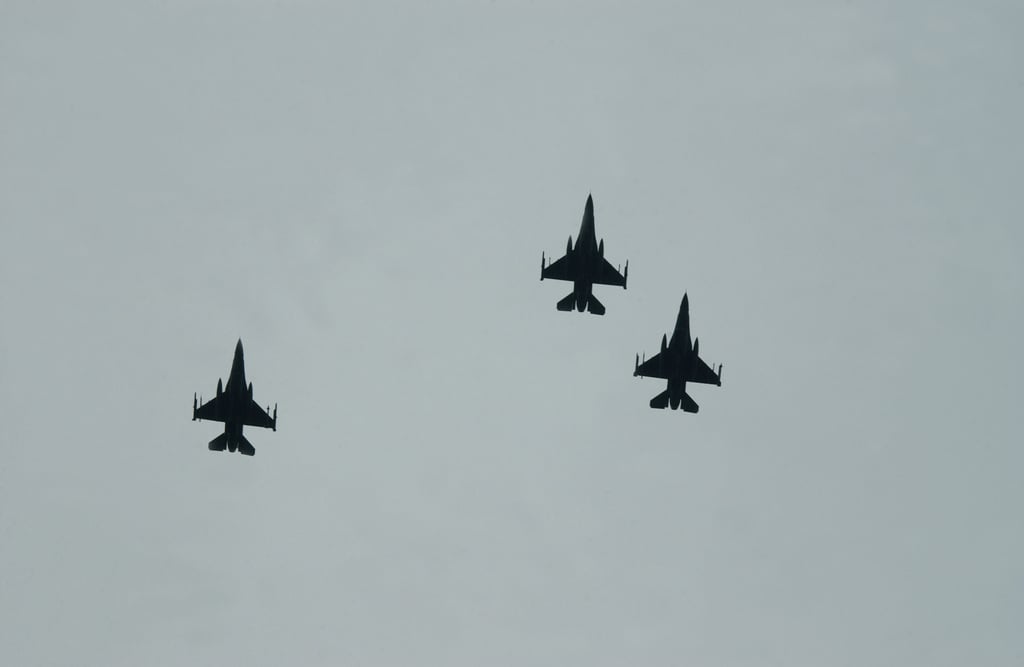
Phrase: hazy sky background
[463,475]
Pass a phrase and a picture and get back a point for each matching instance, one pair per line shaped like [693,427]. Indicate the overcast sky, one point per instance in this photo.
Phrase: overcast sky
[463,475]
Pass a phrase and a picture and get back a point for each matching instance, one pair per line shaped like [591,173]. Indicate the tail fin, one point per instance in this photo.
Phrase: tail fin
[245,447]
[568,303]
[219,443]
[594,306]
[660,402]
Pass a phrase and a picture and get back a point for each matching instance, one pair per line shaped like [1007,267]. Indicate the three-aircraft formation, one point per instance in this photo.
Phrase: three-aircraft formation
[584,266]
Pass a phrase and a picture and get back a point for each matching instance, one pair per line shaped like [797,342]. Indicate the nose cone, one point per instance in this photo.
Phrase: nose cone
[685,306]
[587,226]
[238,348]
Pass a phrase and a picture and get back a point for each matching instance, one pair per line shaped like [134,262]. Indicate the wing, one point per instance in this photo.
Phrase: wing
[257,416]
[558,270]
[703,374]
[608,274]
[212,410]
[652,368]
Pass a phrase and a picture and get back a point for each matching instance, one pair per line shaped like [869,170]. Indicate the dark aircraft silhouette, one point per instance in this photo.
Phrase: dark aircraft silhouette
[585,266]
[234,406]
[679,363]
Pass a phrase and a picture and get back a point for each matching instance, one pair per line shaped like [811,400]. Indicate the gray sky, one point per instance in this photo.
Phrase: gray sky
[463,475]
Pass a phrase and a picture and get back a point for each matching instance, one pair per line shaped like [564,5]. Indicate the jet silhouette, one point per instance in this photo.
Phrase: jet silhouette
[679,363]
[234,406]
[585,266]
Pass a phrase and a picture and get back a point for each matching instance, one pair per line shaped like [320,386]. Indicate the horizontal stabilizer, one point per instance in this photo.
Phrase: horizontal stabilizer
[594,306]
[220,443]
[660,402]
[568,303]
[687,403]
[245,447]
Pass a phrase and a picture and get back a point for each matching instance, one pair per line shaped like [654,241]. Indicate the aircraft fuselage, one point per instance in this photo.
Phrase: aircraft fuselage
[237,398]
[680,357]
[584,257]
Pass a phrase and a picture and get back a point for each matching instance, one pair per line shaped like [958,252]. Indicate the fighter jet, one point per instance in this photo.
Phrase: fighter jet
[585,266]
[234,406]
[679,363]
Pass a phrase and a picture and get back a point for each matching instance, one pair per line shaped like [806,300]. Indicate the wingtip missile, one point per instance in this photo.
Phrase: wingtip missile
[195,405]
[636,366]
[625,276]
[275,416]
[542,265]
